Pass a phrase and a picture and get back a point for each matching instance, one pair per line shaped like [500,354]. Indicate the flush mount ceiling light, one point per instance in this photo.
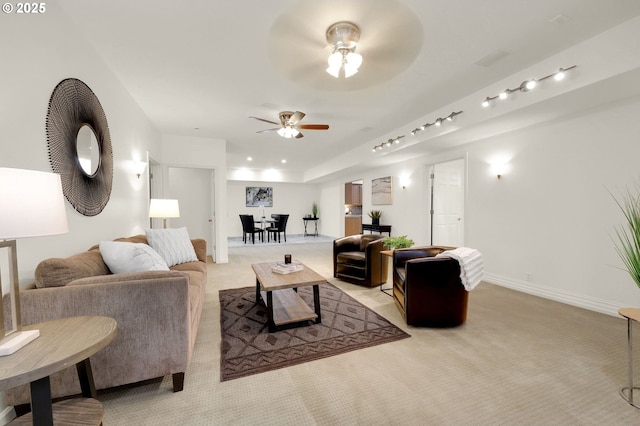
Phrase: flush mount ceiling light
[343,38]
[527,85]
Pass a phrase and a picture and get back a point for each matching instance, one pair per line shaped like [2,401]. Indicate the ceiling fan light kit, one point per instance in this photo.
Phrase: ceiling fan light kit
[343,39]
[289,125]
[288,132]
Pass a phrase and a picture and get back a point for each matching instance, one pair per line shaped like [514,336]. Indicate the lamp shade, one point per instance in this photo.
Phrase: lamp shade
[32,204]
[160,207]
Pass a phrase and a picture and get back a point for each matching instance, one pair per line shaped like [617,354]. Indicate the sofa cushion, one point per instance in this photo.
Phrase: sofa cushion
[123,257]
[172,244]
[57,272]
[198,266]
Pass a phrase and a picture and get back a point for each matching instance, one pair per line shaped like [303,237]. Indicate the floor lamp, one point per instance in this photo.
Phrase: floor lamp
[32,206]
[164,208]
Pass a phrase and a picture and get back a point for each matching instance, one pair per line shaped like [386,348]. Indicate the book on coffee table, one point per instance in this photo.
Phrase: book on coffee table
[287,268]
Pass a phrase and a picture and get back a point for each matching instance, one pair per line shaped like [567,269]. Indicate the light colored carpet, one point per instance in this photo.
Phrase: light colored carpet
[518,360]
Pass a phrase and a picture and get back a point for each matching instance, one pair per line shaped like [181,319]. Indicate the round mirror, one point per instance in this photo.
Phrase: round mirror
[88,150]
[80,146]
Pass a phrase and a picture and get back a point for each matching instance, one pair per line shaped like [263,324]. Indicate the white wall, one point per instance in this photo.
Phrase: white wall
[550,216]
[408,213]
[294,199]
[37,53]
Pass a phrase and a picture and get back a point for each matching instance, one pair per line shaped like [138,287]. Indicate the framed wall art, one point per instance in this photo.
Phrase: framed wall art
[381,191]
[79,145]
[259,196]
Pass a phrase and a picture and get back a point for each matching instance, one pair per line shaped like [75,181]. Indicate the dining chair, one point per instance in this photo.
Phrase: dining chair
[280,227]
[249,227]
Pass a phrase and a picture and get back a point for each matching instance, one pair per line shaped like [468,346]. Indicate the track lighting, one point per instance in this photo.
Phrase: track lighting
[436,123]
[387,144]
[527,85]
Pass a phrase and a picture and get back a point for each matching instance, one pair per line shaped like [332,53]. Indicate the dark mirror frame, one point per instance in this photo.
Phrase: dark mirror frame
[71,106]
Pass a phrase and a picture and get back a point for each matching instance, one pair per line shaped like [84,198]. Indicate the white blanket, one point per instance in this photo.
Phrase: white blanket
[471,265]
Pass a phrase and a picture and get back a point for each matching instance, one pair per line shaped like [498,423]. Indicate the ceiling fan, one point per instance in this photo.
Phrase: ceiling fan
[289,127]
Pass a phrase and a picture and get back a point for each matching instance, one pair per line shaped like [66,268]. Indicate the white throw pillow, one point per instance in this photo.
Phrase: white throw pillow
[172,244]
[122,257]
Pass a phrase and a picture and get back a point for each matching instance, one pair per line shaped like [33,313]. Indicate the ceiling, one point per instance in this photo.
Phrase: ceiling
[201,67]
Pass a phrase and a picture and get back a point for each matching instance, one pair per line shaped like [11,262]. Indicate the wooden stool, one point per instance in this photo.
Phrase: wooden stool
[631,314]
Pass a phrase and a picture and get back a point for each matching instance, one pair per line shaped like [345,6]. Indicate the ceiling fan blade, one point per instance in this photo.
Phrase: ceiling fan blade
[299,135]
[268,130]
[296,117]
[266,121]
[313,126]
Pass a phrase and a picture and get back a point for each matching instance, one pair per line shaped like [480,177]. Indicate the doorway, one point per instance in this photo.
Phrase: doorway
[194,190]
[447,203]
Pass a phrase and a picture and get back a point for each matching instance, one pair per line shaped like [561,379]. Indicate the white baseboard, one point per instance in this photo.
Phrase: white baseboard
[581,301]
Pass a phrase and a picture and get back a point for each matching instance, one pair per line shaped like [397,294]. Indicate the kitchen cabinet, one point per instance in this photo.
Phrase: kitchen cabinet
[352,225]
[353,194]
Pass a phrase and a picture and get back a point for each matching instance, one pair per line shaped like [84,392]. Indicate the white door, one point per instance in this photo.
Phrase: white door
[448,203]
[193,188]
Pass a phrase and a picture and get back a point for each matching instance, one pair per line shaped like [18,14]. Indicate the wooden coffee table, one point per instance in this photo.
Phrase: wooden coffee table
[278,292]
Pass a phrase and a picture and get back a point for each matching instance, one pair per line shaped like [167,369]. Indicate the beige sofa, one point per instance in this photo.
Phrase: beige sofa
[158,314]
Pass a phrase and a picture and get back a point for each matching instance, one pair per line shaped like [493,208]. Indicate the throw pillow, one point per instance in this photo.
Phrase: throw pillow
[131,257]
[172,244]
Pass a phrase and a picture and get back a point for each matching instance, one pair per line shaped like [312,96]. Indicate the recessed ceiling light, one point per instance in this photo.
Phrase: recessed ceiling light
[283,161]
[249,159]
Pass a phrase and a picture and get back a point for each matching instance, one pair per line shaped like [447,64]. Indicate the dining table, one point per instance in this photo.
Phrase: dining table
[265,222]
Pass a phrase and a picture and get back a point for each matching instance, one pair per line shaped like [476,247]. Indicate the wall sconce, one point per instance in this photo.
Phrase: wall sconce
[527,85]
[404,181]
[499,169]
[140,167]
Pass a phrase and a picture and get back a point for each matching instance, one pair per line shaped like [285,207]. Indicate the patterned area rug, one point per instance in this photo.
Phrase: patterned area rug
[248,347]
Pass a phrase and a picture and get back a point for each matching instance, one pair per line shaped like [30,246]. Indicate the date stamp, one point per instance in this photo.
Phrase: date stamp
[24,8]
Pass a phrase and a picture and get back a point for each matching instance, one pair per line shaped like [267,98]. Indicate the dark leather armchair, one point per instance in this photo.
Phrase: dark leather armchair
[356,259]
[428,290]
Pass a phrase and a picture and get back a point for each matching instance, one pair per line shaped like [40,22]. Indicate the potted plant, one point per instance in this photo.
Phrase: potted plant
[394,243]
[629,235]
[314,210]
[375,216]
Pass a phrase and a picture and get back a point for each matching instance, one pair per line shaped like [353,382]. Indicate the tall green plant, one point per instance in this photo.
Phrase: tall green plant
[629,234]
